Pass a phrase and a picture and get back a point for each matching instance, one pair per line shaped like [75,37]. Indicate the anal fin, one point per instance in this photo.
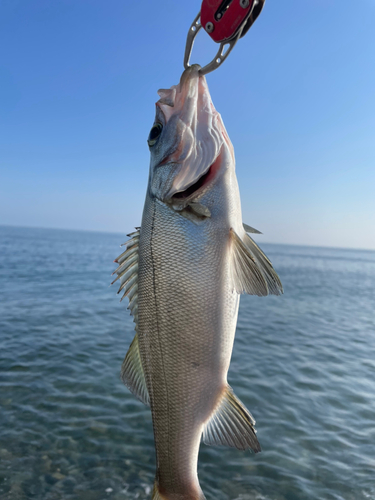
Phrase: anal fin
[132,373]
[231,425]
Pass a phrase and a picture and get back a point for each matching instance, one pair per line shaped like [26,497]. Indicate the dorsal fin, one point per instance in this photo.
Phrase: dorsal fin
[231,425]
[252,271]
[132,373]
[127,272]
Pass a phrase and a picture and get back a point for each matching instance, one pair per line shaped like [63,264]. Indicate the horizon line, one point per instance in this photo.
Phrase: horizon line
[124,233]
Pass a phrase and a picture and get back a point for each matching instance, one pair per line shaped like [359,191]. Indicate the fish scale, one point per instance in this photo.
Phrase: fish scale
[177,343]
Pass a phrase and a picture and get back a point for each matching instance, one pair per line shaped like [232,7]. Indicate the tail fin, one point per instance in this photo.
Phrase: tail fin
[156,495]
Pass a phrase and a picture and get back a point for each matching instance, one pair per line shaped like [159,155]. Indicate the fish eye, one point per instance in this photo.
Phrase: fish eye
[154,134]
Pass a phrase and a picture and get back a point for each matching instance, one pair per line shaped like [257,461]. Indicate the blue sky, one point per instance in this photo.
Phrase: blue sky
[297,95]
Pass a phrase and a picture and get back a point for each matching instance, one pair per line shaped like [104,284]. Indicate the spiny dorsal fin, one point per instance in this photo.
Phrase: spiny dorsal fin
[127,272]
[132,373]
[252,271]
[250,229]
[231,425]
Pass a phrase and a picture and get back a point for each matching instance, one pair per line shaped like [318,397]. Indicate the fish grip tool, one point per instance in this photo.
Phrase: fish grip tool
[226,21]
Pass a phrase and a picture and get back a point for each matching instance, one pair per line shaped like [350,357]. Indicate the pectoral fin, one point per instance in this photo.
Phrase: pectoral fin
[132,373]
[231,425]
[252,271]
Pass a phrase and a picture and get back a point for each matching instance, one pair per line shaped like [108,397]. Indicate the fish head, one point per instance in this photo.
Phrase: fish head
[190,148]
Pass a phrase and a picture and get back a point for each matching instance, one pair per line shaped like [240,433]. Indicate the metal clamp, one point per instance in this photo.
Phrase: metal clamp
[221,54]
[227,45]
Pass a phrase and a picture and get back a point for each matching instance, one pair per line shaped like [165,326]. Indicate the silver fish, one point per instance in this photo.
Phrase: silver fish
[183,271]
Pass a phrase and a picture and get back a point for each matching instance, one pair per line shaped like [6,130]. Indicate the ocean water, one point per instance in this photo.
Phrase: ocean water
[303,363]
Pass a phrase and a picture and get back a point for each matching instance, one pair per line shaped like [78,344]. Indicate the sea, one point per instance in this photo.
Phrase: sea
[303,364]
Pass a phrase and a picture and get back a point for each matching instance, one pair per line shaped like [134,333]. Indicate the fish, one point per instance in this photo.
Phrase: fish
[183,271]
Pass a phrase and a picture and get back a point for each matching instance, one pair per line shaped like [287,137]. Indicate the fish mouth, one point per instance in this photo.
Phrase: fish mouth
[194,187]
[201,183]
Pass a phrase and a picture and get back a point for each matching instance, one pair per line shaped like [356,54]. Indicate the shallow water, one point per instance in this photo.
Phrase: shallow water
[303,363]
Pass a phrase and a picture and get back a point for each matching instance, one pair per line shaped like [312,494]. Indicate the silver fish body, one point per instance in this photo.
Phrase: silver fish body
[194,259]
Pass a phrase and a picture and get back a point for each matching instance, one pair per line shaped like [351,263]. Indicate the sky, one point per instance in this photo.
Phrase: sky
[78,83]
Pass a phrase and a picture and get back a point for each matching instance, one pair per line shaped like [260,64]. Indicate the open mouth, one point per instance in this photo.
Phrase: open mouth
[194,187]
[204,180]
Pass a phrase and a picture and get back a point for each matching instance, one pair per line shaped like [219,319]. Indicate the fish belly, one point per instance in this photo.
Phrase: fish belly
[187,317]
